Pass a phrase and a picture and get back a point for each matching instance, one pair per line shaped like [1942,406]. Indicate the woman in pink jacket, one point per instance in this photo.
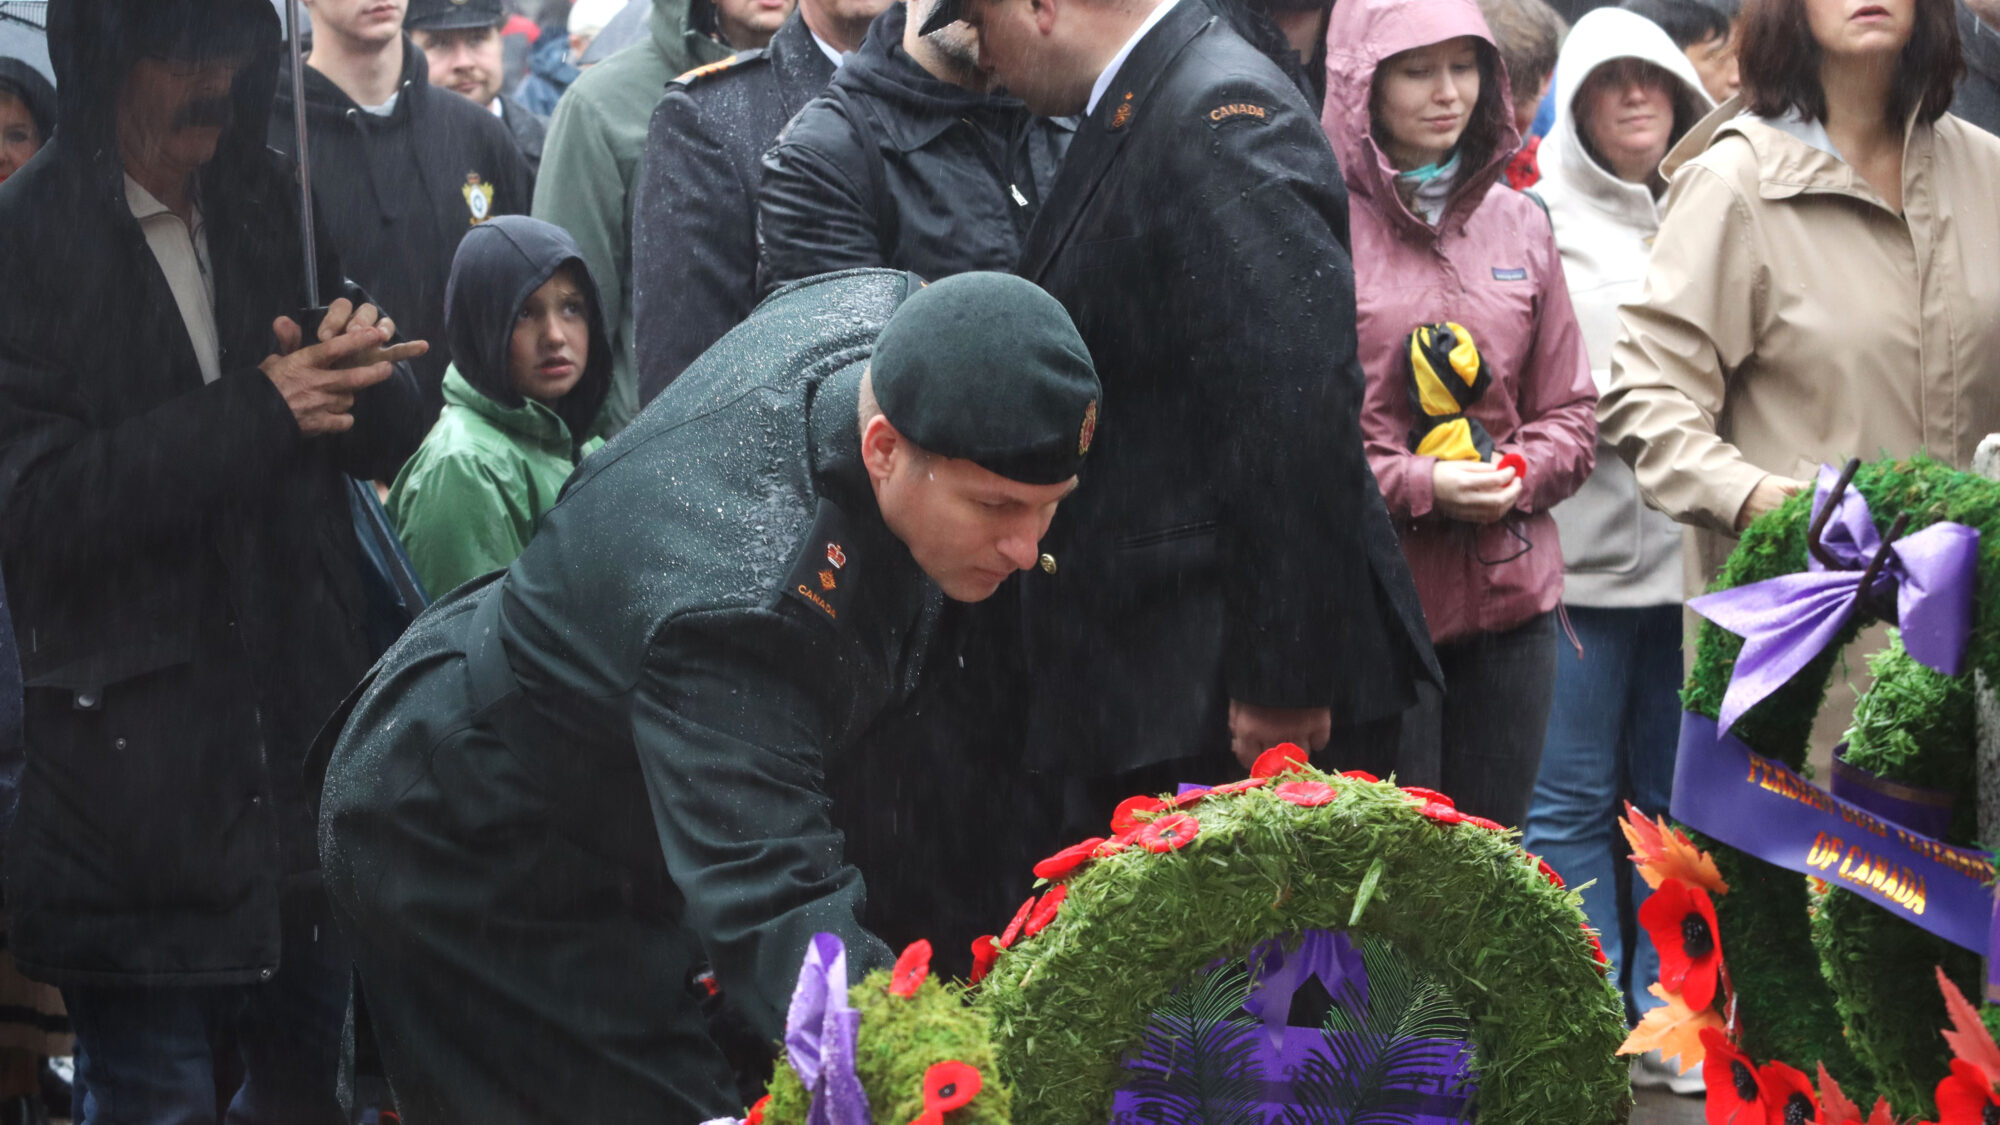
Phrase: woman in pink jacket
[1416,109]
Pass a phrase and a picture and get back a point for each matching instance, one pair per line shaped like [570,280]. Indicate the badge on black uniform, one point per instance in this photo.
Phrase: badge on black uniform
[822,576]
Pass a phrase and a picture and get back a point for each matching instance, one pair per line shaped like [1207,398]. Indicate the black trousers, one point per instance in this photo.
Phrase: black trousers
[1479,739]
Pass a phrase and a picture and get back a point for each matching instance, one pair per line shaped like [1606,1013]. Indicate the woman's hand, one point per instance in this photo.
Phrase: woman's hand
[1474,491]
[1769,493]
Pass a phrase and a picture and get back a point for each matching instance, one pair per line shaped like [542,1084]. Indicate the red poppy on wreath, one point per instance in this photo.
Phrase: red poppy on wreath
[911,969]
[1443,814]
[1965,1097]
[1067,860]
[1359,775]
[1045,913]
[1285,757]
[1482,822]
[948,1085]
[1013,929]
[985,951]
[1125,817]
[1309,794]
[1114,845]
[1733,1098]
[1789,1098]
[1168,833]
[1596,946]
[1184,800]
[1425,795]
[1243,786]
[1681,921]
[1548,872]
[756,1114]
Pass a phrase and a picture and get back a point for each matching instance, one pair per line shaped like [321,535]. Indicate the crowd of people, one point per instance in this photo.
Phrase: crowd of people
[1380,376]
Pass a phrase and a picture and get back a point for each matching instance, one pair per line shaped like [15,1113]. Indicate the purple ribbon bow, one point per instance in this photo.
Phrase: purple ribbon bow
[1277,975]
[1788,620]
[820,1030]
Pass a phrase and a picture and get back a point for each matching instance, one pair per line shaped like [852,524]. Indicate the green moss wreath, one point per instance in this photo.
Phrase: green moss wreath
[1788,1006]
[1191,883]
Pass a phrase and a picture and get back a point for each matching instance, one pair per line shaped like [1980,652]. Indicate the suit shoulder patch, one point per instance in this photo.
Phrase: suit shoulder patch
[1230,111]
[740,58]
[827,569]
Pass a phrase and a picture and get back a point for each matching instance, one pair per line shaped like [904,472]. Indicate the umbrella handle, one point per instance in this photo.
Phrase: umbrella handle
[306,241]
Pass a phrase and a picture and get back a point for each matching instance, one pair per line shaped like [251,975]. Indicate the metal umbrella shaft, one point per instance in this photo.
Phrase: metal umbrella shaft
[306,242]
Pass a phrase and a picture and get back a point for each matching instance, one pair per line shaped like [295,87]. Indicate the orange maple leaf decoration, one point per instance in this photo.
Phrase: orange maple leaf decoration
[1675,1030]
[1663,853]
[1968,1038]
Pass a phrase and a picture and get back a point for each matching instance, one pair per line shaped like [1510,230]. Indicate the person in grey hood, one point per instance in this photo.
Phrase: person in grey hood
[181,565]
[532,366]
[1978,97]
[906,161]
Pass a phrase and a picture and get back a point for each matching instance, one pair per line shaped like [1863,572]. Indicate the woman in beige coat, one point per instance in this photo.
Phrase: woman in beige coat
[1826,280]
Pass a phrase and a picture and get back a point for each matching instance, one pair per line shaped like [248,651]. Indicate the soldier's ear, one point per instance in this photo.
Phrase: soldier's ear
[881,447]
[1044,13]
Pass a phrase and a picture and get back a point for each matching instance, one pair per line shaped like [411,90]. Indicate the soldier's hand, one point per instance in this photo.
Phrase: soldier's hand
[1254,729]
[319,382]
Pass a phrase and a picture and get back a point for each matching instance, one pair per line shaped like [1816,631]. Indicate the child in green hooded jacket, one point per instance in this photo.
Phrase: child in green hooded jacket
[532,364]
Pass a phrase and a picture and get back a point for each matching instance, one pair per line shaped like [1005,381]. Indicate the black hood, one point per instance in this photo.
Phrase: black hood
[881,68]
[93,44]
[27,84]
[326,101]
[499,264]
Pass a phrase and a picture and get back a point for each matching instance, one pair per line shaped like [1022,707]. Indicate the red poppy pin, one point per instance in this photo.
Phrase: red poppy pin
[1013,929]
[1442,813]
[1310,794]
[1125,818]
[1359,775]
[1169,833]
[1068,860]
[836,556]
[1789,1098]
[1243,786]
[1045,911]
[984,953]
[911,969]
[1965,1097]
[948,1085]
[1422,795]
[1548,872]
[756,1114]
[1681,921]
[1733,1097]
[1282,758]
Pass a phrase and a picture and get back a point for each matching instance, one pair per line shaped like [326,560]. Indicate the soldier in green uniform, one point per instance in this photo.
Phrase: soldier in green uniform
[573,783]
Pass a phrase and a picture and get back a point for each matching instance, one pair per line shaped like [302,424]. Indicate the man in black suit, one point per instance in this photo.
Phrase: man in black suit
[1227,577]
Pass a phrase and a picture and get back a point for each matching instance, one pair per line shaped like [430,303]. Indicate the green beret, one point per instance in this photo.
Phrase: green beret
[987,367]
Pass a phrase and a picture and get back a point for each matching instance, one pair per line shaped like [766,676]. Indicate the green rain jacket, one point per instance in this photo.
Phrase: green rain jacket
[467,502]
[590,166]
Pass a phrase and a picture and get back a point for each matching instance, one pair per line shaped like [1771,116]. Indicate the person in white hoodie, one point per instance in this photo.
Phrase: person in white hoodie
[1624,95]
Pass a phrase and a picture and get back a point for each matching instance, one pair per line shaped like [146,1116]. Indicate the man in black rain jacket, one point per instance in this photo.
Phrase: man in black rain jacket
[694,221]
[570,786]
[398,189]
[181,565]
[905,161]
[1230,579]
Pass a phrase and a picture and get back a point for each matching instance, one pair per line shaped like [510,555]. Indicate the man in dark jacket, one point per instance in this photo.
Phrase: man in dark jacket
[180,561]
[694,223]
[905,161]
[567,788]
[461,41]
[1230,579]
[401,170]
[1978,97]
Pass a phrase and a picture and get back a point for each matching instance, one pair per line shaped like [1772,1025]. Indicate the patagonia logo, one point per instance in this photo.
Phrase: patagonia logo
[1509,275]
[1238,109]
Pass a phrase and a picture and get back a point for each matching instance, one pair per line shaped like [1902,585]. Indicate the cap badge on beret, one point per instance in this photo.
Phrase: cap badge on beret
[836,556]
[1089,432]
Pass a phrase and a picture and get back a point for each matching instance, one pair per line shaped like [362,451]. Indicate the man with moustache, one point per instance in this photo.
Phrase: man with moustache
[694,222]
[461,41]
[181,567]
[401,169]
[1229,579]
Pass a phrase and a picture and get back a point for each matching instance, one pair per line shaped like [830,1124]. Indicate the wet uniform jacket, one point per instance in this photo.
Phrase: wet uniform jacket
[467,501]
[398,192]
[694,225]
[1228,541]
[894,167]
[567,785]
[180,564]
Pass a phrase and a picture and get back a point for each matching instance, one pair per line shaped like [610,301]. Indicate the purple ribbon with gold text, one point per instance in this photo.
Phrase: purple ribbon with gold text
[820,1030]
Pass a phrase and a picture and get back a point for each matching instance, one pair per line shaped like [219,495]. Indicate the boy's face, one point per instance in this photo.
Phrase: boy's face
[1714,58]
[551,341]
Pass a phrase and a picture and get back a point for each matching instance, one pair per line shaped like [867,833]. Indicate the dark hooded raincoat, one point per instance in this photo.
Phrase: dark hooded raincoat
[180,563]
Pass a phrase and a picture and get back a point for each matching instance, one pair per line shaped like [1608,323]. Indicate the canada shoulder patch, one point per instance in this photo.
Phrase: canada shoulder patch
[824,574]
[1238,111]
